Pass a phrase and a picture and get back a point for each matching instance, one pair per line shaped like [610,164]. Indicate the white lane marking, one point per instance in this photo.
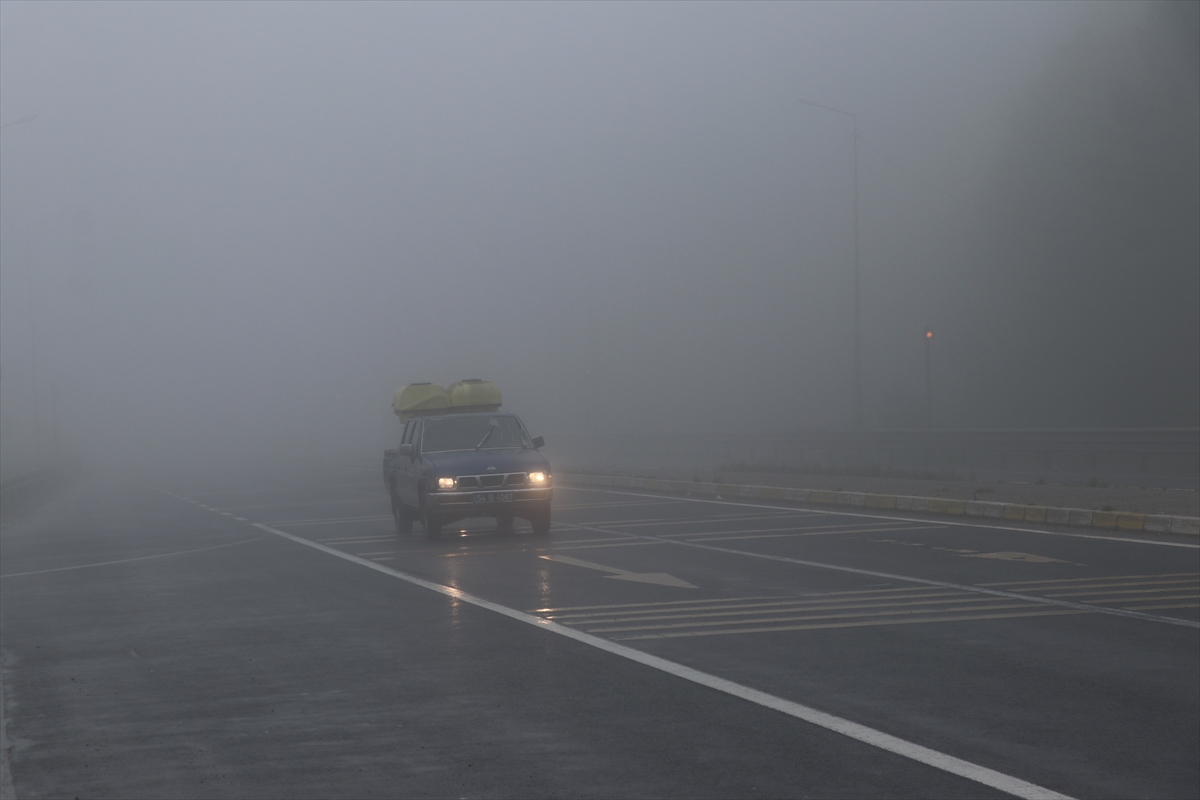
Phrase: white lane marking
[333,520]
[629,543]
[128,560]
[356,538]
[240,519]
[964,587]
[660,578]
[861,733]
[299,505]
[912,519]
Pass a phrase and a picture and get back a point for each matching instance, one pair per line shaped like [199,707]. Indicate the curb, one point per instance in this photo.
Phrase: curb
[1011,512]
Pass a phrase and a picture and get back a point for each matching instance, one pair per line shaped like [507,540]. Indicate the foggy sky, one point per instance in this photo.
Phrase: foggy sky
[238,227]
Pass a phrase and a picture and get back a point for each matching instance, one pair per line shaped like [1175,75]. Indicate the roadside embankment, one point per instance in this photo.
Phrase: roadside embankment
[21,495]
[954,506]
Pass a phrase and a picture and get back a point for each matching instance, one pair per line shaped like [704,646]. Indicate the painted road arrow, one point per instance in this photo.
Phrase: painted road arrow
[661,578]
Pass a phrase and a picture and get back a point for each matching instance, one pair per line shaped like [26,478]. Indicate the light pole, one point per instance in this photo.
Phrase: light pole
[857,316]
[929,373]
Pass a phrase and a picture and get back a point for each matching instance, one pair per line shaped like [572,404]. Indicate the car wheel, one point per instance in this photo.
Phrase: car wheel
[541,523]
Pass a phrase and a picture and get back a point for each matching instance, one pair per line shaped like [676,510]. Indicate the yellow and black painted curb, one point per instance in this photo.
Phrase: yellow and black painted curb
[1011,512]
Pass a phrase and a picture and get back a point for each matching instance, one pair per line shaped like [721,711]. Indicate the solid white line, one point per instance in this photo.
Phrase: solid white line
[884,741]
[128,560]
[909,519]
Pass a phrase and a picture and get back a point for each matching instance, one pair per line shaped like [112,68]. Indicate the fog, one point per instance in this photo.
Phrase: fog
[233,230]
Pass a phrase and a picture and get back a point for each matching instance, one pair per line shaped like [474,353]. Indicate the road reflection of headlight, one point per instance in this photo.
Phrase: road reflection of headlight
[537,477]
[445,483]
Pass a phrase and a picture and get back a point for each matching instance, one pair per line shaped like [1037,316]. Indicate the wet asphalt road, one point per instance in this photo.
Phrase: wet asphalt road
[157,643]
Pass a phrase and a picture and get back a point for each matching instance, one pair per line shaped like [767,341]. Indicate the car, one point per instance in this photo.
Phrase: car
[452,465]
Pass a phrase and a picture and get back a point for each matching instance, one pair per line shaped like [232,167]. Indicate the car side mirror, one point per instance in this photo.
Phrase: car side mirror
[538,442]
[405,450]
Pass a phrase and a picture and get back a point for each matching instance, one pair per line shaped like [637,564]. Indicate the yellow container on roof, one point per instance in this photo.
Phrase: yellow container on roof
[418,397]
[474,393]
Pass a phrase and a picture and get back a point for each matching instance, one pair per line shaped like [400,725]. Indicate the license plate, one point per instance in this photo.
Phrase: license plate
[493,497]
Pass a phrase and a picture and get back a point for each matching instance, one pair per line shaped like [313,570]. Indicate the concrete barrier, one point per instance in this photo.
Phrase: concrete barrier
[1013,512]
[939,505]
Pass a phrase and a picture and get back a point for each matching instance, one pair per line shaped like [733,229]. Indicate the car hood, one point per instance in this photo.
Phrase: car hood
[477,462]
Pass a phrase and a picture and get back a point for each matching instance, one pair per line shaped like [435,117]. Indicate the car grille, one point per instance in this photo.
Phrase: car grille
[491,480]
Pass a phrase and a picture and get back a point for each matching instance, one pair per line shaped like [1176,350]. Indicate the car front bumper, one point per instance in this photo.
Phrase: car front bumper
[490,502]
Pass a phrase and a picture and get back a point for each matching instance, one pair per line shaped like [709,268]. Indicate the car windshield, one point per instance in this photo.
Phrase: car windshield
[482,431]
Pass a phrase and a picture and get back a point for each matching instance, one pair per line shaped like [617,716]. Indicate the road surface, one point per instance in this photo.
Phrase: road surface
[267,634]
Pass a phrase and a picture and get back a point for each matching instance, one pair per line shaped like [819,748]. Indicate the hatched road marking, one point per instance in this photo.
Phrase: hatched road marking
[1182,589]
[1068,604]
[802,612]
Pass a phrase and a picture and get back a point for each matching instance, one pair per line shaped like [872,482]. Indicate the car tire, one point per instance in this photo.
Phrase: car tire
[541,523]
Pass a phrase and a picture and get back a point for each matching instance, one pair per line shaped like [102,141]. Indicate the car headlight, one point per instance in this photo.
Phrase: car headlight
[537,477]
[445,483]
